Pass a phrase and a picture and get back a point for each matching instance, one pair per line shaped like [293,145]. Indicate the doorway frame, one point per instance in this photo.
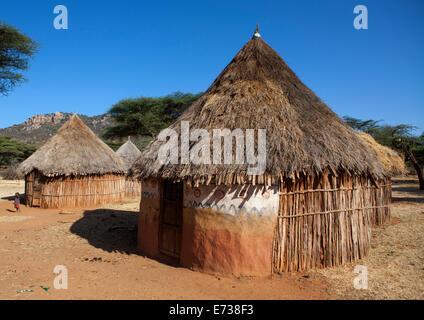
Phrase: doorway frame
[161,222]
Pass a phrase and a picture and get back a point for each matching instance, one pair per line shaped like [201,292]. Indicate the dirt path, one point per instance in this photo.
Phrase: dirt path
[103,263]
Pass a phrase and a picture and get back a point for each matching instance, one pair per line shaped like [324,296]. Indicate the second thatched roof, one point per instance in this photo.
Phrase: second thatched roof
[258,90]
[74,150]
[128,153]
[390,160]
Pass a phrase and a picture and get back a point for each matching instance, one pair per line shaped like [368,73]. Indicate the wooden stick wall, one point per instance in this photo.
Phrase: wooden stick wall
[81,191]
[326,220]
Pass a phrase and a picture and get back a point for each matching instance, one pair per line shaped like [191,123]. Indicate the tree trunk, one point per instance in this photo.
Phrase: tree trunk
[417,167]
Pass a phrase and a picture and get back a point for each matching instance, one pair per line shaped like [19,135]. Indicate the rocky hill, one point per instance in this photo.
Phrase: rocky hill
[37,129]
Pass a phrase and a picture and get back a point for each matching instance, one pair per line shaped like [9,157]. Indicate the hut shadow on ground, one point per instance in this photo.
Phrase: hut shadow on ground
[108,229]
[12,197]
[406,180]
[408,192]
[113,231]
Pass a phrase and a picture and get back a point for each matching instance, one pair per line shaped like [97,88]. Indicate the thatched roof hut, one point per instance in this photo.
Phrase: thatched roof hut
[390,160]
[258,90]
[73,168]
[313,205]
[129,153]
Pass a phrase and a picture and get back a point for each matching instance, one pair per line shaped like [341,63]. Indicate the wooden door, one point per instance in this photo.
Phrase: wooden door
[36,190]
[171,219]
[29,179]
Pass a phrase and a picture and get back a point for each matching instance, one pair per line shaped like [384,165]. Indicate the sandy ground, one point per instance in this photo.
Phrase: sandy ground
[103,262]
[98,248]
[395,263]
[9,187]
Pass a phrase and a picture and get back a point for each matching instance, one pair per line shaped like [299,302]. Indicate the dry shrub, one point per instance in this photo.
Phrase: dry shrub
[11,172]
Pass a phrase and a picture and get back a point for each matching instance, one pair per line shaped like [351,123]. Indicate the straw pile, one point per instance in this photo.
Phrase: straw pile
[391,161]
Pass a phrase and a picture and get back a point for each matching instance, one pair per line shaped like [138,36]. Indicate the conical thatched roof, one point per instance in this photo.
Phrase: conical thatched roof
[389,159]
[128,153]
[74,150]
[258,90]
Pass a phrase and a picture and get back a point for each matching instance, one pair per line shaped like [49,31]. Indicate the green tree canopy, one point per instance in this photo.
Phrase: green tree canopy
[15,51]
[147,116]
[13,150]
[362,125]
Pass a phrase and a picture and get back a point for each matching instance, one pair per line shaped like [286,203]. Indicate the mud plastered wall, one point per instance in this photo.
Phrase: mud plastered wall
[150,189]
[229,230]
[148,221]
[245,200]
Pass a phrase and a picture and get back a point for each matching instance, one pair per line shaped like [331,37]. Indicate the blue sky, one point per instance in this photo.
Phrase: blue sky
[120,49]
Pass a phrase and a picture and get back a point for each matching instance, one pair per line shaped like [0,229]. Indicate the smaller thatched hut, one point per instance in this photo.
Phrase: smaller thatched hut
[129,153]
[389,159]
[74,168]
[391,162]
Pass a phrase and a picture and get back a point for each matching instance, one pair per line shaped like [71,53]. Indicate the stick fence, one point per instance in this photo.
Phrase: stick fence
[326,220]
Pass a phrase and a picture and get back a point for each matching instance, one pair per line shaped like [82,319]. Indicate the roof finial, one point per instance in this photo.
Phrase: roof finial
[257,34]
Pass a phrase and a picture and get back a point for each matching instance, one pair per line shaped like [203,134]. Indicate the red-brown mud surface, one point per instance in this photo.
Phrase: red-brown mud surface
[103,261]
[98,246]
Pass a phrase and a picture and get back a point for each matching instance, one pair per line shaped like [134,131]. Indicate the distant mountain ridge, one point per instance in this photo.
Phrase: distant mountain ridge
[37,129]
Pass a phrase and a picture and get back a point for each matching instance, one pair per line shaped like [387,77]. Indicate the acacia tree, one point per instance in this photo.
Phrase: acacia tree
[11,150]
[397,137]
[15,51]
[412,148]
[362,125]
[147,116]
